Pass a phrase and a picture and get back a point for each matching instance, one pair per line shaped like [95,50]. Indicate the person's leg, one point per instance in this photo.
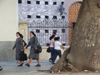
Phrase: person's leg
[52,53]
[28,64]
[30,61]
[54,56]
[21,64]
[62,11]
[27,61]
[51,49]
[59,53]
[38,63]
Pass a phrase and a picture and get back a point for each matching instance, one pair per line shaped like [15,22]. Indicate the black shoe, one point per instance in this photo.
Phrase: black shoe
[50,60]
[20,65]
[37,65]
[52,63]
[27,65]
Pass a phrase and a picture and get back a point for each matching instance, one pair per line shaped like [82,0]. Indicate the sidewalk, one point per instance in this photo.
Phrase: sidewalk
[10,68]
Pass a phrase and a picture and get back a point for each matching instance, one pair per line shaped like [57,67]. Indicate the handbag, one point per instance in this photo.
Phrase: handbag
[23,56]
[48,50]
[39,49]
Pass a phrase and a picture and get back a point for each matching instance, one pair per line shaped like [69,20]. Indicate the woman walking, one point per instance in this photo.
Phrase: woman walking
[19,47]
[57,48]
[52,47]
[33,43]
[23,56]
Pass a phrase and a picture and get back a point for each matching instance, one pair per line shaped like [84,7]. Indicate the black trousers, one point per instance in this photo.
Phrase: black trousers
[57,52]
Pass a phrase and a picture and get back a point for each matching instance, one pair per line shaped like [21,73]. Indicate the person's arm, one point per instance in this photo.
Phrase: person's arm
[53,43]
[13,47]
[21,44]
[61,45]
[28,45]
[36,43]
[24,43]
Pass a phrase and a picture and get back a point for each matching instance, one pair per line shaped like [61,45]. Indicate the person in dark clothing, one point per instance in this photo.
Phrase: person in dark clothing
[61,9]
[33,43]
[23,56]
[19,47]
[1,68]
[24,44]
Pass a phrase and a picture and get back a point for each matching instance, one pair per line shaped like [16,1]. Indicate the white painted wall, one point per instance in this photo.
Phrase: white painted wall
[8,20]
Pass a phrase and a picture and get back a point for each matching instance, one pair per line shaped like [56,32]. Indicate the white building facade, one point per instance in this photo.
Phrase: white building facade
[44,18]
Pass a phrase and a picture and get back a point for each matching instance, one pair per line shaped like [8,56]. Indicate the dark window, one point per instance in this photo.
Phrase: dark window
[37,2]
[54,17]
[46,3]
[46,17]
[63,30]
[28,16]
[46,31]
[55,31]
[37,31]
[19,1]
[74,24]
[28,2]
[38,17]
[63,17]
[62,3]
[54,3]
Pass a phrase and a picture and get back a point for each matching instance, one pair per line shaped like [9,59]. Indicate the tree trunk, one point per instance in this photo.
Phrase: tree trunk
[85,48]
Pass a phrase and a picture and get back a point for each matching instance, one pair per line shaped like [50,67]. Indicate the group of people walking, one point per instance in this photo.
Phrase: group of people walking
[20,46]
[55,48]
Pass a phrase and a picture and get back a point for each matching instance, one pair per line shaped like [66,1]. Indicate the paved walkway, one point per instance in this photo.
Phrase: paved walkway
[10,68]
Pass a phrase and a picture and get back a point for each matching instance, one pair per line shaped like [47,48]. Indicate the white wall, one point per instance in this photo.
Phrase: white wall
[8,20]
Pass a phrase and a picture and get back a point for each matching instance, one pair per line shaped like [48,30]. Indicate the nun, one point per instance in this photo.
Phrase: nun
[19,47]
[33,43]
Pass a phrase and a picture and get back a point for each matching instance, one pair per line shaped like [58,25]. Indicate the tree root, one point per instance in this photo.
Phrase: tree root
[62,63]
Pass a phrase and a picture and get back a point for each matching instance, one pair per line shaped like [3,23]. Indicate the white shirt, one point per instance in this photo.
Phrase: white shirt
[57,45]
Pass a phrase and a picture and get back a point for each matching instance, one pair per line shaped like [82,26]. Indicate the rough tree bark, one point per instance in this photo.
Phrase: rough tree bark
[85,48]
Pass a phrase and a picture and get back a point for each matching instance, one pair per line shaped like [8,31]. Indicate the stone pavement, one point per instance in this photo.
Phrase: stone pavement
[10,68]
